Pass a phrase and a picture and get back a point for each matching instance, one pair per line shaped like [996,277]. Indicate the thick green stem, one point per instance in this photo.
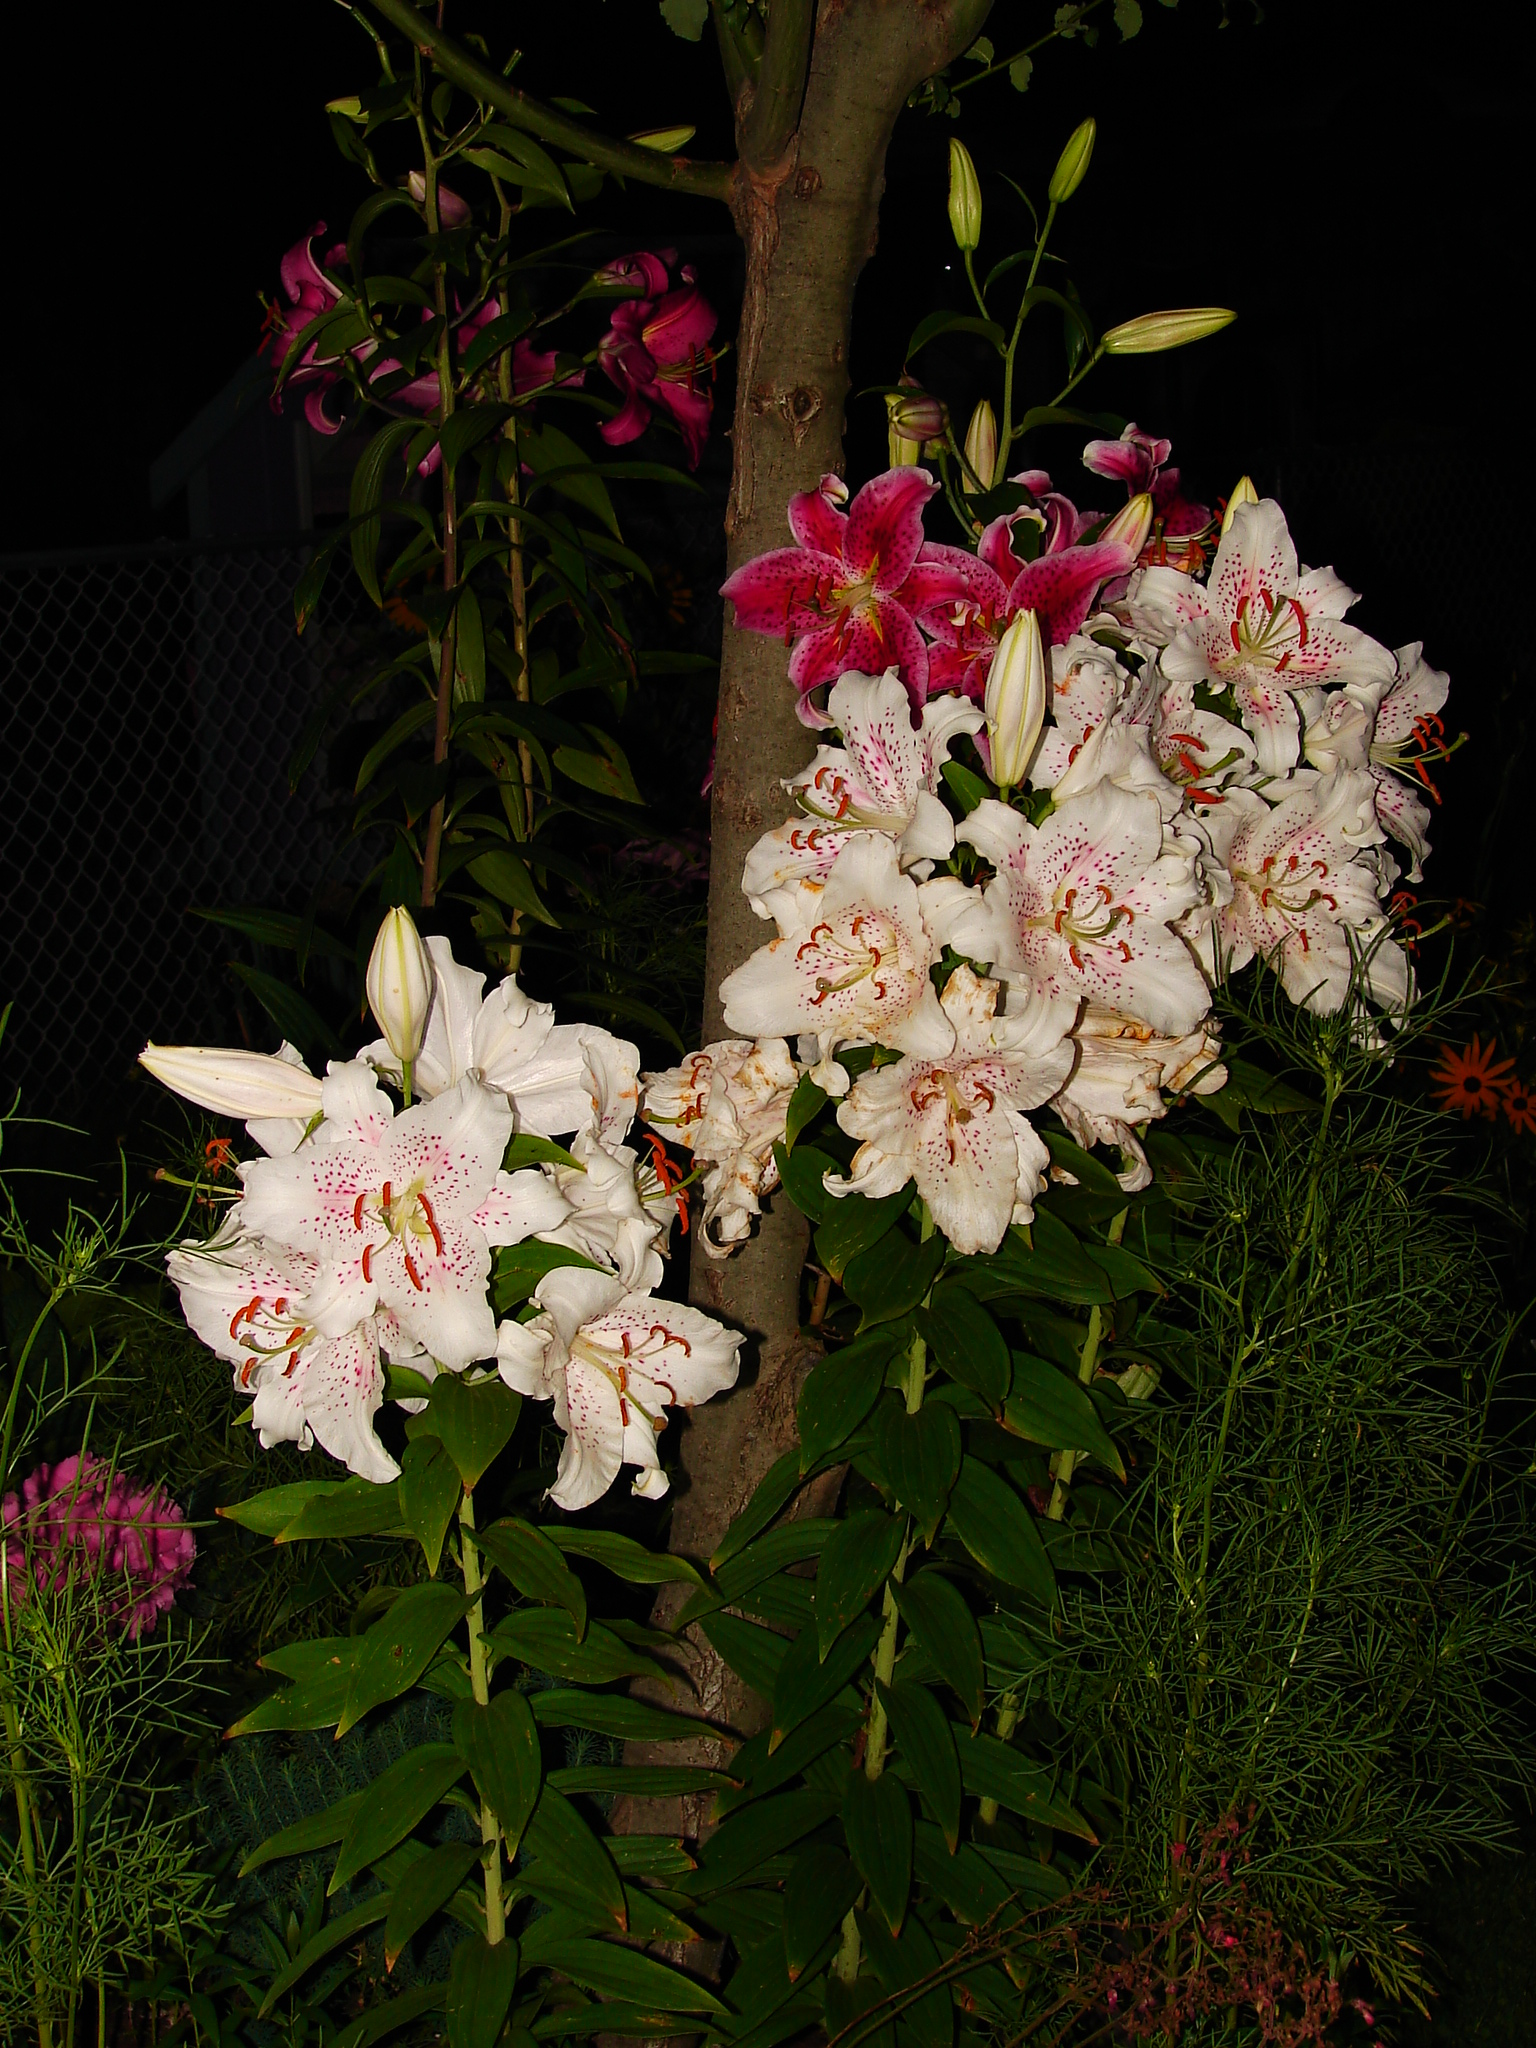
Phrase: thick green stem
[1064,1464]
[480,1686]
[1007,1721]
[780,86]
[446,659]
[1005,440]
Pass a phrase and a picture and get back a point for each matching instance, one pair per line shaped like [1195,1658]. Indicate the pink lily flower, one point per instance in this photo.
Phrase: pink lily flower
[644,271]
[657,352]
[1178,523]
[849,592]
[309,293]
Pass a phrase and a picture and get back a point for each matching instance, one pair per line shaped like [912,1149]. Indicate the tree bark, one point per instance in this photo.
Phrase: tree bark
[809,220]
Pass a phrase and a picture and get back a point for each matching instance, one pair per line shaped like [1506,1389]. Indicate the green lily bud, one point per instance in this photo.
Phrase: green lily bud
[1243,493]
[913,418]
[964,197]
[1149,333]
[351,107]
[400,984]
[1072,164]
[980,449]
[665,141]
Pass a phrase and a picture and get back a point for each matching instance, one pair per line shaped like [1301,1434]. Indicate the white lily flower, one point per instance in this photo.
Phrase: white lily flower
[884,777]
[1259,626]
[955,1125]
[610,1216]
[1199,750]
[728,1105]
[247,1300]
[400,1210]
[1408,735]
[1305,892]
[612,1361]
[1123,1068]
[234,1083]
[856,973]
[561,1077]
[1083,904]
[1087,684]
[1119,751]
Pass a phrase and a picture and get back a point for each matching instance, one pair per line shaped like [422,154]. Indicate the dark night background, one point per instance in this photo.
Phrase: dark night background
[1346,175]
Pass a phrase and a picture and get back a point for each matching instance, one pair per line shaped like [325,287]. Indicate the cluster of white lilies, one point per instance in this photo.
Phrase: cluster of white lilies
[1206,775]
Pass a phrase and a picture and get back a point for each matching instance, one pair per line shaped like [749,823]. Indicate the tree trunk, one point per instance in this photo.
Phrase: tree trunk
[809,221]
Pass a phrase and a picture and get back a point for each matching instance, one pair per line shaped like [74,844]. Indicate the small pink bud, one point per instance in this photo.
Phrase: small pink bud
[452,211]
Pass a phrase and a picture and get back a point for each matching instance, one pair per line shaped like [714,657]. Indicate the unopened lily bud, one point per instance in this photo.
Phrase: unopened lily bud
[904,452]
[1243,493]
[980,449]
[1072,164]
[452,211]
[234,1083]
[964,196]
[1132,523]
[665,141]
[1149,333]
[1015,699]
[399,984]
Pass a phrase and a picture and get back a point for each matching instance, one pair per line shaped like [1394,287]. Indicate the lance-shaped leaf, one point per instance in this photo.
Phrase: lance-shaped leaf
[877,1820]
[396,1802]
[558,1835]
[927,2019]
[819,1890]
[999,1531]
[859,1556]
[614,1972]
[760,1773]
[1048,1407]
[854,1224]
[549,1641]
[791,1543]
[608,1714]
[330,1937]
[967,1343]
[801,1172]
[924,1739]
[429,1494]
[535,1566]
[367,492]
[892,1277]
[398,1649]
[920,1455]
[946,1633]
[500,1744]
[993,1770]
[481,1979]
[840,1392]
[767,1828]
[755,1654]
[434,1878]
[806,1681]
[316,1831]
[318,1696]
[473,1421]
[626,1558]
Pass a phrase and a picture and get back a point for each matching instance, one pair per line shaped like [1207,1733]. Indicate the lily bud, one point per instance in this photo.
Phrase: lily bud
[980,449]
[1149,333]
[452,211]
[1132,523]
[1243,493]
[903,451]
[1015,699]
[233,1083]
[399,984]
[913,418]
[1072,164]
[665,141]
[964,196]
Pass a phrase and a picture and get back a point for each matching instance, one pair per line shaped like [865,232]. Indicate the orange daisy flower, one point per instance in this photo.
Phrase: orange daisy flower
[1519,1105]
[1471,1081]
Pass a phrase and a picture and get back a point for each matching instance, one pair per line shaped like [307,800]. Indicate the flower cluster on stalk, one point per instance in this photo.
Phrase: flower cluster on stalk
[366,1232]
[1192,762]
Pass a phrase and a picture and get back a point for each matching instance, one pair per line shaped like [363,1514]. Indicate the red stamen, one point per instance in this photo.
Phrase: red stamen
[410,1267]
[437,1235]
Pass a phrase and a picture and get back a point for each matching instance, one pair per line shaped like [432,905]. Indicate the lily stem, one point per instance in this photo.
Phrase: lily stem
[480,1686]
[446,659]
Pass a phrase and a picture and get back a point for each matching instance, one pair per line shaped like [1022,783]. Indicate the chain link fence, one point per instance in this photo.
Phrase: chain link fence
[153,697]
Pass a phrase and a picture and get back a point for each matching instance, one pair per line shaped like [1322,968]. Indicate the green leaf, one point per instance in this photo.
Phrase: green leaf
[936,324]
[398,1649]
[807,1681]
[500,1744]
[1055,1265]
[367,491]
[482,1976]
[607,772]
[517,1269]
[820,1889]
[924,1738]
[330,1937]
[993,1770]
[965,1881]
[686,18]
[526,1556]
[772,1494]
[791,1543]
[295,1017]
[968,787]
[474,1421]
[558,1834]
[389,2017]
[434,1878]
[805,1105]
[466,428]
[761,1772]
[859,1557]
[314,1833]
[397,1801]
[877,1819]
[605,1714]
[613,1971]
[1250,1087]
[410,721]
[1020,71]
[852,1223]
[753,1653]
[921,1457]
[547,1639]
[840,1392]
[269,1513]
[469,648]
[547,451]
[1091,1174]
[529,1149]
[927,2020]
[626,1558]
[355,1507]
[323,1671]
[509,881]
[642,1781]
[966,1342]
[429,1495]
[800,1172]
[767,1828]
[999,1531]
[1047,1407]
[947,1634]
[892,1277]
[1128,18]
[282,929]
